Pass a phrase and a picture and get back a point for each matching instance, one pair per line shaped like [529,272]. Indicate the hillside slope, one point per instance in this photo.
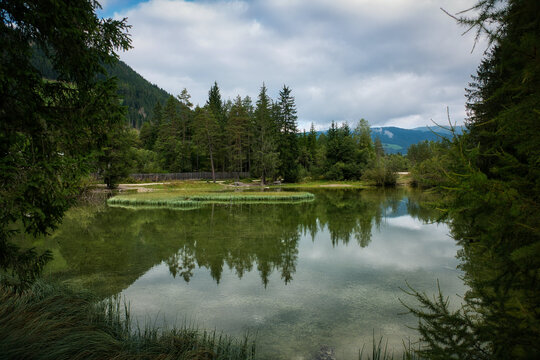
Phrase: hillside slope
[137,93]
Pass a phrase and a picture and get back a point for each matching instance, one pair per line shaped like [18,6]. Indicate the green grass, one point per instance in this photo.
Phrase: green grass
[189,199]
[54,322]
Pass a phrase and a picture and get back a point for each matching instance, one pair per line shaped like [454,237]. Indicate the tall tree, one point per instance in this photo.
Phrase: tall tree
[207,133]
[312,142]
[48,129]
[238,134]
[288,140]
[265,155]
[185,114]
[216,106]
[169,135]
[115,159]
[366,149]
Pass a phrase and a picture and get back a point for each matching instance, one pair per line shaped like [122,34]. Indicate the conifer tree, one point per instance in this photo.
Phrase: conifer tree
[150,129]
[287,140]
[170,132]
[216,106]
[312,142]
[48,129]
[366,149]
[494,200]
[207,132]
[237,134]
[265,153]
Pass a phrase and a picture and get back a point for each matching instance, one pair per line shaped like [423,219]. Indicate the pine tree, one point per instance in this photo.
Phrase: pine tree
[238,134]
[265,154]
[206,134]
[312,142]
[287,141]
[216,106]
[169,135]
[150,129]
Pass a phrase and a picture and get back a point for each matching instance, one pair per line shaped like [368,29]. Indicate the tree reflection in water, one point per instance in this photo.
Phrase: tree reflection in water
[107,249]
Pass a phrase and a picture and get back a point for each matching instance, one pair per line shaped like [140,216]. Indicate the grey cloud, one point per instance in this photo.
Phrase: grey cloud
[393,62]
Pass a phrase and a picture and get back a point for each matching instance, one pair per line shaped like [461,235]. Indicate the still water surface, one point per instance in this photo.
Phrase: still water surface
[299,276]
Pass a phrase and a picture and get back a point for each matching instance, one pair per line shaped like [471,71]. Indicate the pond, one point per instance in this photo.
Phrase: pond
[297,276]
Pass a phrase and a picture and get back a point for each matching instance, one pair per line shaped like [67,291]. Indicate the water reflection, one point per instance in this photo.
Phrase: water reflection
[326,272]
[108,248]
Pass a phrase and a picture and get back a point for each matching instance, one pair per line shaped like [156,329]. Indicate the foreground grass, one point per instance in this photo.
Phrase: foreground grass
[54,322]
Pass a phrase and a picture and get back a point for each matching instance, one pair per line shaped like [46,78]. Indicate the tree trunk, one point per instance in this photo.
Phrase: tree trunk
[212,164]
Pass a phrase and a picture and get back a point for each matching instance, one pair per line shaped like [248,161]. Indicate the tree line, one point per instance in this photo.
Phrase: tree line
[240,135]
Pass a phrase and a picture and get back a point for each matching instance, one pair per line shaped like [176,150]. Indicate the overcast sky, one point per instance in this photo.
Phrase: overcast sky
[392,62]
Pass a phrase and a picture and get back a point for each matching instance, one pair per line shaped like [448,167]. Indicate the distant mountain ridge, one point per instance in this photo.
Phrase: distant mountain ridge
[397,140]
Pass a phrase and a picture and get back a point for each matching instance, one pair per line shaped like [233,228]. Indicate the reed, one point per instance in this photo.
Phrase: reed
[54,322]
[381,352]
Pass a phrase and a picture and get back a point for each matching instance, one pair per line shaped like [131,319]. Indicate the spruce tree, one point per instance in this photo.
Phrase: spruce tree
[238,134]
[494,199]
[265,153]
[288,138]
[206,134]
[216,106]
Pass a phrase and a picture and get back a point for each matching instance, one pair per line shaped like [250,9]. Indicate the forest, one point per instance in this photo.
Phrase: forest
[240,136]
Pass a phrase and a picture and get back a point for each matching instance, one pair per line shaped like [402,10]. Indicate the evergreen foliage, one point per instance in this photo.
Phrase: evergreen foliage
[265,154]
[138,95]
[135,92]
[48,129]
[493,179]
[288,139]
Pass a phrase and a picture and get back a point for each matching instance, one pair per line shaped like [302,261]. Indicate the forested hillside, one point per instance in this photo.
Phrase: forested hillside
[137,93]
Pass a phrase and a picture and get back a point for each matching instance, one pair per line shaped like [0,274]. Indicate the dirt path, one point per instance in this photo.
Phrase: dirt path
[138,187]
[335,185]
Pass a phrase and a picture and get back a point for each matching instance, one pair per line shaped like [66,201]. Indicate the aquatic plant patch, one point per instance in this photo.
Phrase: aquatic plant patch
[191,200]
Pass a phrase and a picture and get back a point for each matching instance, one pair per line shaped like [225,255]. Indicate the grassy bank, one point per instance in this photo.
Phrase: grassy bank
[54,322]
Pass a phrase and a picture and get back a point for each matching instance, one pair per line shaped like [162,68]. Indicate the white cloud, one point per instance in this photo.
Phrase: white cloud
[393,62]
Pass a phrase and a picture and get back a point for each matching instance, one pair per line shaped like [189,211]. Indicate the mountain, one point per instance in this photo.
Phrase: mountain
[137,93]
[397,140]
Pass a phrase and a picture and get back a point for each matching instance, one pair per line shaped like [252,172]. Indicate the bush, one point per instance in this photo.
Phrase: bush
[343,171]
[381,174]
